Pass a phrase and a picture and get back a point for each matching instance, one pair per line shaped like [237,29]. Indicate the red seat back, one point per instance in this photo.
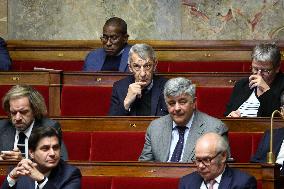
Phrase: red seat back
[78,145]
[243,145]
[95,182]
[116,146]
[85,100]
[213,100]
[144,183]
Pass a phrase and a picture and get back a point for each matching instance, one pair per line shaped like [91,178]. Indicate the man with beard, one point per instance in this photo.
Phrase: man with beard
[27,110]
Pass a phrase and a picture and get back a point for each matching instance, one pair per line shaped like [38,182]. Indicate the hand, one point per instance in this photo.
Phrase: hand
[28,168]
[14,155]
[236,113]
[257,81]
[134,90]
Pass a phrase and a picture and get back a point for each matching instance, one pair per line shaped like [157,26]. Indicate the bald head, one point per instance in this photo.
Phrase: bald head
[212,141]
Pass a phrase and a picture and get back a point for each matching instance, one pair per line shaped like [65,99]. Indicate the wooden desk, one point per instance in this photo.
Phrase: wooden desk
[268,174]
[50,79]
[212,79]
[125,123]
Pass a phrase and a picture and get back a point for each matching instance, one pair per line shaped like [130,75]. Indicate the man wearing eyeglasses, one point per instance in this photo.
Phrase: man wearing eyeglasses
[212,171]
[139,94]
[172,138]
[259,94]
[114,54]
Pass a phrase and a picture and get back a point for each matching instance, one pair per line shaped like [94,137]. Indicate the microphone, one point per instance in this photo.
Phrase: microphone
[270,157]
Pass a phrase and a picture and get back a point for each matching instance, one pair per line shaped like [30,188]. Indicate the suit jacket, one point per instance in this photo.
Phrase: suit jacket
[231,179]
[8,131]
[95,60]
[264,146]
[159,135]
[63,176]
[269,101]
[119,92]
[5,60]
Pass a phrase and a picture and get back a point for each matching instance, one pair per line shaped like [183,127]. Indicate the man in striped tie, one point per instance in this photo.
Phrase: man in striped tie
[211,153]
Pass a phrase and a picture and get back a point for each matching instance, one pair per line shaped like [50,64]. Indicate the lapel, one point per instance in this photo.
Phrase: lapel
[101,60]
[156,91]
[123,66]
[195,132]
[165,136]
[226,178]
[9,135]
[278,137]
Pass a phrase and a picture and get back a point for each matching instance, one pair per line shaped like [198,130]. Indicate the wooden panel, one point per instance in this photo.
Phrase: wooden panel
[124,123]
[268,174]
[107,79]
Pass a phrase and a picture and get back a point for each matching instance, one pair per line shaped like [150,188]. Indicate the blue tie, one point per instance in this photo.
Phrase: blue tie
[21,143]
[178,149]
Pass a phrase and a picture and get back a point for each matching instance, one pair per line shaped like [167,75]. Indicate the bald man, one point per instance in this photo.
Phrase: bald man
[212,171]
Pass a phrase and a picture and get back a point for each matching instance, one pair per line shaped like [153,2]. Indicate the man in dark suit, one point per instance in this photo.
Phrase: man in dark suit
[140,94]
[114,54]
[27,110]
[172,137]
[212,171]
[45,169]
[5,60]
[264,148]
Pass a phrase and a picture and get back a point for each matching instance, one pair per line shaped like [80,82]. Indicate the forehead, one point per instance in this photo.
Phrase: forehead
[112,30]
[262,64]
[204,150]
[179,97]
[138,60]
[48,141]
[19,102]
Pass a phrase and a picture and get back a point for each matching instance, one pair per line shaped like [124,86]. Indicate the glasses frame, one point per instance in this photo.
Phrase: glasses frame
[263,71]
[206,161]
[148,66]
[111,38]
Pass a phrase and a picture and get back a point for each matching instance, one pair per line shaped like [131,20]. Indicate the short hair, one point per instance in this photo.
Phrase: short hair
[266,52]
[35,98]
[144,51]
[116,21]
[179,85]
[41,132]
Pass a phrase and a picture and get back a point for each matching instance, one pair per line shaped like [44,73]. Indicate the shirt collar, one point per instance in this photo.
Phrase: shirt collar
[28,131]
[188,125]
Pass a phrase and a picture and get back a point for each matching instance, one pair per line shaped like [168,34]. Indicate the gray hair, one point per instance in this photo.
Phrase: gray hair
[266,52]
[178,86]
[35,98]
[144,51]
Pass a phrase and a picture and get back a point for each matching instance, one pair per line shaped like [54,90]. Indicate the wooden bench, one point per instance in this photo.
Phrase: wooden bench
[267,175]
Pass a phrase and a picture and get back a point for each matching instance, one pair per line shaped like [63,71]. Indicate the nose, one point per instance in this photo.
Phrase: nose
[18,116]
[51,152]
[200,165]
[108,42]
[177,106]
[259,72]
[142,72]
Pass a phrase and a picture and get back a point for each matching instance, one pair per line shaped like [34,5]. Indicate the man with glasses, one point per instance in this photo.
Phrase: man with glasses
[114,54]
[140,94]
[278,144]
[259,94]
[212,171]
[27,111]
[172,138]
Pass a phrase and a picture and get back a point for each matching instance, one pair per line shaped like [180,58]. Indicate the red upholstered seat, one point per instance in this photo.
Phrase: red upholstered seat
[116,146]
[2,177]
[244,145]
[44,91]
[78,145]
[27,65]
[204,66]
[93,182]
[213,100]
[85,100]
[144,183]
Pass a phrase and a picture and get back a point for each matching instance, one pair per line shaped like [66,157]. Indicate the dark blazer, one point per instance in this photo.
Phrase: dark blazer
[8,131]
[95,60]
[159,135]
[5,60]
[269,101]
[264,146]
[231,179]
[119,92]
[64,176]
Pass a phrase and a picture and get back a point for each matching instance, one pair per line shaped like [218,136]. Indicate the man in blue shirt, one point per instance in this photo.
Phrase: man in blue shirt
[114,54]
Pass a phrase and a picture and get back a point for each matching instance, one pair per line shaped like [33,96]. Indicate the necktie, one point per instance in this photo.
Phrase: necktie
[211,184]
[21,143]
[178,149]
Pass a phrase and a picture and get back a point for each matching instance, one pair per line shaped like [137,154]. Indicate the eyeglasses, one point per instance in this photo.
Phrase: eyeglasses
[263,71]
[111,38]
[205,161]
[148,66]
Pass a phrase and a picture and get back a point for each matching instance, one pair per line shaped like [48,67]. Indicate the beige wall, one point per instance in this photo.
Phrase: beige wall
[148,19]
[3,18]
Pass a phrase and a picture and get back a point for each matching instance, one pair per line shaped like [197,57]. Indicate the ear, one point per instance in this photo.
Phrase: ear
[277,69]
[155,65]
[224,157]
[125,38]
[31,154]
[129,67]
